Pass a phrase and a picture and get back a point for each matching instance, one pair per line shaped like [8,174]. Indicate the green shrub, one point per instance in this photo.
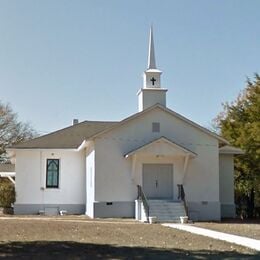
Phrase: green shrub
[7,193]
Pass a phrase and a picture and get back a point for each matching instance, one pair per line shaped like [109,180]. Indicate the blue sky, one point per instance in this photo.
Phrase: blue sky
[61,59]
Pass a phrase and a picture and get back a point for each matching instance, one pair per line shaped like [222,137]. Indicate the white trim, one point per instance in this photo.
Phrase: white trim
[7,174]
[83,145]
[11,179]
[228,149]
[133,167]
[183,149]
[150,89]
[185,167]
[42,149]
[136,115]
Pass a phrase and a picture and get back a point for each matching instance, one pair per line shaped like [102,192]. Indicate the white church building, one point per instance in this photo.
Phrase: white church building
[155,163]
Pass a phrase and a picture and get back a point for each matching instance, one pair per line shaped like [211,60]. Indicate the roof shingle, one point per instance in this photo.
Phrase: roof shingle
[67,138]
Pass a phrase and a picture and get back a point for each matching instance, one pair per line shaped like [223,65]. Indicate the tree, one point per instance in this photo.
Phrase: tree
[239,123]
[12,131]
[7,193]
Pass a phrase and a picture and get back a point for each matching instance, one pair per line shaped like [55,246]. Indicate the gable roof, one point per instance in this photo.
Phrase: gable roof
[67,138]
[161,139]
[72,137]
[171,112]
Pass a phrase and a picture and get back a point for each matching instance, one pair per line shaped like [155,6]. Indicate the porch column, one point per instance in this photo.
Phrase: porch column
[133,168]
[185,167]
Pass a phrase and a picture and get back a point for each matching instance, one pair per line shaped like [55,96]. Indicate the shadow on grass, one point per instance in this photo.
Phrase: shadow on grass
[74,250]
[240,221]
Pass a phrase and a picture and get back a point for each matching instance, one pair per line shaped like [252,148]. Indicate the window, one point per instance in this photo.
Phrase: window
[156,127]
[52,173]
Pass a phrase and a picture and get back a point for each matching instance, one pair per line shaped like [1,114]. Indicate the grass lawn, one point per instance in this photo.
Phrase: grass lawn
[247,229]
[81,238]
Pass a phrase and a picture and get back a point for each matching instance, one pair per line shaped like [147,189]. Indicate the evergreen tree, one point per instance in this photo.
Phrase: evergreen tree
[239,123]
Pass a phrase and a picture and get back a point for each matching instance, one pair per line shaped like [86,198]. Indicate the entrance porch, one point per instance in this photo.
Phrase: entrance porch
[158,168]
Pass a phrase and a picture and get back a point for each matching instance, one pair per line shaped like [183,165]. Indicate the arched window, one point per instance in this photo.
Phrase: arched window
[52,173]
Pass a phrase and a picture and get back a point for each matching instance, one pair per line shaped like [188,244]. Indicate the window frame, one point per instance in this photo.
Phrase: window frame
[58,173]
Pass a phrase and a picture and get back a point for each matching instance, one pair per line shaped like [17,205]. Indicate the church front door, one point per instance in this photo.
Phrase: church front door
[158,181]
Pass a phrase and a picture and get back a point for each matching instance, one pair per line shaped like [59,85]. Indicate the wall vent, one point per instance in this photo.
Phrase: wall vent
[156,127]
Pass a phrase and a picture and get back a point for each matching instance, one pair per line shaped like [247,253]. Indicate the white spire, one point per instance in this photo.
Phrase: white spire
[151,55]
[151,93]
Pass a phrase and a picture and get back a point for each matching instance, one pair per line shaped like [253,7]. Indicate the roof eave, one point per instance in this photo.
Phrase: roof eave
[184,149]
[205,130]
[41,148]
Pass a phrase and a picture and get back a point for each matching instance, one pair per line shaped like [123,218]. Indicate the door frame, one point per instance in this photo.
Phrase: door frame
[172,173]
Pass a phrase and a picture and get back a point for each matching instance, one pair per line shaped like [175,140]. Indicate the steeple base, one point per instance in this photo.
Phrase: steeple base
[148,97]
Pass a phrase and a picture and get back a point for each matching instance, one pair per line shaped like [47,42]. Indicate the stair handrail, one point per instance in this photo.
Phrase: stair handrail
[142,197]
[181,196]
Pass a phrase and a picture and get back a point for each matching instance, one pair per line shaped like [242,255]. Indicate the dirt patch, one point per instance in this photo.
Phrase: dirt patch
[64,239]
[250,230]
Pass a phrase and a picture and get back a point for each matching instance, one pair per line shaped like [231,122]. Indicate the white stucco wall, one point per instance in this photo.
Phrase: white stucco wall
[90,180]
[150,97]
[112,173]
[226,175]
[31,177]
[114,180]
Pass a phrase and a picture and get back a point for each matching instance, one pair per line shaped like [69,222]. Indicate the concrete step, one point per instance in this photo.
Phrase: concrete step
[166,210]
[168,220]
[176,212]
[166,206]
[165,214]
[165,202]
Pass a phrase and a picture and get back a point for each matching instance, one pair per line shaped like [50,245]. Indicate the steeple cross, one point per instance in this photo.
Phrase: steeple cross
[153,80]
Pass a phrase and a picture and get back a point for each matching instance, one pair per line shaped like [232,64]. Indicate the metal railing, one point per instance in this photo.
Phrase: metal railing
[142,197]
[181,196]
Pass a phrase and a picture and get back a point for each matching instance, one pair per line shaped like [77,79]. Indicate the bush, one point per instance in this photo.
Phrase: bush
[7,193]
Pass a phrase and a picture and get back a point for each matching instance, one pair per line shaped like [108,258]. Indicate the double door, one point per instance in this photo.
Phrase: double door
[158,181]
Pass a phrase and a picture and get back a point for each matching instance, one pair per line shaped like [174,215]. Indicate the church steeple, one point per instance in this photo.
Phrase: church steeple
[151,54]
[152,75]
[151,93]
